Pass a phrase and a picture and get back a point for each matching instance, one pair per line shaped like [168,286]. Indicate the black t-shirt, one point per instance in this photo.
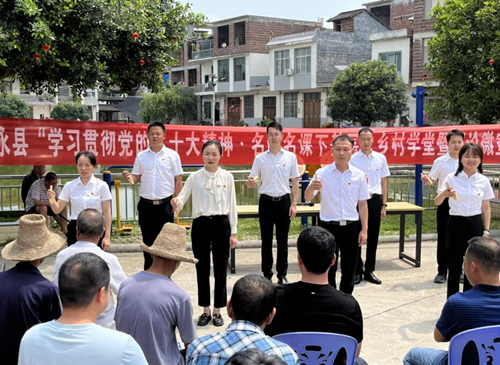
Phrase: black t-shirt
[304,307]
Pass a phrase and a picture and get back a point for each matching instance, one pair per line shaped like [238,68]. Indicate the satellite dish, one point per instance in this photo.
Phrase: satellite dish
[224,45]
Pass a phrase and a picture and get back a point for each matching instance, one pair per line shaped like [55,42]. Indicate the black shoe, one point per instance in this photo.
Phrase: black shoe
[357,279]
[282,280]
[370,277]
[204,319]
[218,321]
[440,279]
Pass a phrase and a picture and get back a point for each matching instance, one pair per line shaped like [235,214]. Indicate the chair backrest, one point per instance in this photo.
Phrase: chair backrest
[319,348]
[483,346]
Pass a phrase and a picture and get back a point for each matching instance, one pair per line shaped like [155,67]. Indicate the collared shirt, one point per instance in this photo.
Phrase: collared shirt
[213,194]
[157,172]
[217,348]
[470,193]
[106,318]
[85,196]
[38,191]
[275,172]
[341,192]
[26,299]
[442,167]
[374,166]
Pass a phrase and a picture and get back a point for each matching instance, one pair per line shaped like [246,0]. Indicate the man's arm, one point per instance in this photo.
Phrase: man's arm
[295,196]
[383,212]
[363,216]
[438,337]
[178,184]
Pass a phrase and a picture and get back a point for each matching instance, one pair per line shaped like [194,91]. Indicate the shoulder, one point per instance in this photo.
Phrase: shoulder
[356,172]
[170,152]
[380,156]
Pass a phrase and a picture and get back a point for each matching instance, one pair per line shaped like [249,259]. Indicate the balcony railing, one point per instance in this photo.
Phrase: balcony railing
[206,53]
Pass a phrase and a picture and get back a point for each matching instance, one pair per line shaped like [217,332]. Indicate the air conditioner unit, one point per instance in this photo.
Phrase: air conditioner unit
[289,71]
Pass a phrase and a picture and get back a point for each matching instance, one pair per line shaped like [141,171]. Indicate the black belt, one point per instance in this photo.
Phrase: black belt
[157,201]
[275,198]
[375,195]
[339,223]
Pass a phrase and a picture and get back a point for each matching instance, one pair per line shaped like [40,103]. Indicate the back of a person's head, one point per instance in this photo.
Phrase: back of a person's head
[254,357]
[80,278]
[316,247]
[485,252]
[253,299]
[90,223]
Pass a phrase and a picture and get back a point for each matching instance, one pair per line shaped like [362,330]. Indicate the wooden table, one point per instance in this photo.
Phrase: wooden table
[393,208]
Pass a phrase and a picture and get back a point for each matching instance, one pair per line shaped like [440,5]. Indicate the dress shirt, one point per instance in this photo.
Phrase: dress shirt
[213,194]
[38,191]
[374,166]
[275,171]
[441,167]
[85,196]
[470,193]
[157,170]
[341,192]
[117,276]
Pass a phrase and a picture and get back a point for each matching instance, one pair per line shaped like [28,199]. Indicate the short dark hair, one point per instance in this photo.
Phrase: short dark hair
[80,278]
[212,142]
[454,132]
[90,223]
[50,176]
[253,299]
[365,130]
[89,155]
[156,124]
[343,137]
[254,356]
[316,247]
[274,125]
[485,251]
[476,150]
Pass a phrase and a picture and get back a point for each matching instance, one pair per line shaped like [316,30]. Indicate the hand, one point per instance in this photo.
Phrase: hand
[233,241]
[293,211]
[363,235]
[251,182]
[316,185]
[426,179]
[175,203]
[51,194]
[450,192]
[383,212]
[128,177]
[106,242]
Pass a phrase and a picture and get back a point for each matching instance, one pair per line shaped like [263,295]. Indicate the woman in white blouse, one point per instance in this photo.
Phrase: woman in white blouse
[85,192]
[214,227]
[469,193]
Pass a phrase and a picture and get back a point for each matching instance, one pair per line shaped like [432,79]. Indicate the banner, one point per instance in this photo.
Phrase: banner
[53,142]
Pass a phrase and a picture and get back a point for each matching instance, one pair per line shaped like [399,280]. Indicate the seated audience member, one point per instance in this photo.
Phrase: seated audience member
[89,230]
[475,308]
[26,297]
[151,306]
[311,304]
[36,173]
[254,357]
[37,201]
[251,308]
[75,338]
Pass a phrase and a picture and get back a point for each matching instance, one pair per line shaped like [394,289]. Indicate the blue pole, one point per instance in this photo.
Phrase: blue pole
[419,96]
[303,186]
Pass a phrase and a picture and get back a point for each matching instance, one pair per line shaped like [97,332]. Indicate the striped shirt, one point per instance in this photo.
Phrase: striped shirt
[38,191]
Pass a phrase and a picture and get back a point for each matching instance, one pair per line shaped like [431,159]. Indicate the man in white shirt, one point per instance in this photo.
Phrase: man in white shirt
[89,229]
[159,170]
[275,167]
[441,167]
[343,189]
[374,165]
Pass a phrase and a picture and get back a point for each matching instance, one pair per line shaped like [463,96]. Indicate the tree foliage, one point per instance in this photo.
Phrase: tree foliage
[467,38]
[12,106]
[173,102]
[89,43]
[70,111]
[367,92]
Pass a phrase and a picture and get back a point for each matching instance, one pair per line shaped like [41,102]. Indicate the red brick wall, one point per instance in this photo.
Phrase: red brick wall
[347,25]
[400,13]
[421,25]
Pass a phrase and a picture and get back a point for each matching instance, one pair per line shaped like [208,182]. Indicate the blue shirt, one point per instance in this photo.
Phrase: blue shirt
[217,348]
[26,299]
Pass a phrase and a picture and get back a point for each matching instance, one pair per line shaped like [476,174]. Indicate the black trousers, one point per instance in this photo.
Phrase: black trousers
[71,235]
[152,218]
[274,214]
[442,215]
[346,240]
[459,231]
[211,234]
[374,212]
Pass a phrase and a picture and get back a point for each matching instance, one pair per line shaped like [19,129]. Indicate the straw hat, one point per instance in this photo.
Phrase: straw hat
[170,244]
[34,240]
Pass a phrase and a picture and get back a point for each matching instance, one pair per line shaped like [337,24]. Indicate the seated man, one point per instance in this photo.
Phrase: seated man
[312,304]
[475,308]
[75,338]
[36,173]
[89,229]
[151,306]
[26,297]
[37,201]
[251,308]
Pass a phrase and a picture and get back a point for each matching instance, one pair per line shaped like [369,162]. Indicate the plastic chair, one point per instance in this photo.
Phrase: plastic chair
[319,348]
[483,346]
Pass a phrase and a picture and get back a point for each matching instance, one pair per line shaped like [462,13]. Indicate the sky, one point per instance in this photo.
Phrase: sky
[289,9]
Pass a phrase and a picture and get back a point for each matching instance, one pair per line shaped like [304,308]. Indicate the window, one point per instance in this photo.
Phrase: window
[248,100]
[290,101]
[223,72]
[239,69]
[207,109]
[239,34]
[282,62]
[425,55]
[303,60]
[392,58]
[223,36]
[429,5]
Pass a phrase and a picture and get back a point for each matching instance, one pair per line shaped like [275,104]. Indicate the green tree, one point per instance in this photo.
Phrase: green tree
[467,34]
[173,102]
[367,92]
[70,111]
[90,43]
[12,106]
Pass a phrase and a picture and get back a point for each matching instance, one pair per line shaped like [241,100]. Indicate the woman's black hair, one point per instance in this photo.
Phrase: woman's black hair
[476,150]
[89,155]
[212,142]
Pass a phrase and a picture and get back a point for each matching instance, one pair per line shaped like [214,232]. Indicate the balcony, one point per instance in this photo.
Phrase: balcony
[206,53]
